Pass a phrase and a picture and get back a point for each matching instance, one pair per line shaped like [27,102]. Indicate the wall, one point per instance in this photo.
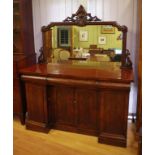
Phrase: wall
[94,32]
[122,11]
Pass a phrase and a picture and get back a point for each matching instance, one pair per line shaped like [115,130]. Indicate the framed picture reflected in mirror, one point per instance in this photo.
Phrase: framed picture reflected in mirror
[102,40]
[107,29]
[83,36]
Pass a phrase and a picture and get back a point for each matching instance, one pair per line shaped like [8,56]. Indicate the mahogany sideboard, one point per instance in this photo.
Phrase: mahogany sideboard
[79,98]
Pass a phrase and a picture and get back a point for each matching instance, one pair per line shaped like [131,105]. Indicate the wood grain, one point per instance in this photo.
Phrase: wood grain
[23,53]
[101,71]
[89,100]
[56,142]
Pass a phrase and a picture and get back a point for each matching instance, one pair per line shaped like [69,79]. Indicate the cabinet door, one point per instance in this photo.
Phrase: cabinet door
[113,116]
[87,110]
[65,105]
[36,102]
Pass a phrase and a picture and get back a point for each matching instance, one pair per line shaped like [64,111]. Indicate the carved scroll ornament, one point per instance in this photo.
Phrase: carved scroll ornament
[81,17]
[128,62]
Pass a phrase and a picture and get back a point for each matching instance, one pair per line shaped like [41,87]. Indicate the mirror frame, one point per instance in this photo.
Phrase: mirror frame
[82,18]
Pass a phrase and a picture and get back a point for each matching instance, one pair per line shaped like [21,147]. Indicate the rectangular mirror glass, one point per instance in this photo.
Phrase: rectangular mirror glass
[91,42]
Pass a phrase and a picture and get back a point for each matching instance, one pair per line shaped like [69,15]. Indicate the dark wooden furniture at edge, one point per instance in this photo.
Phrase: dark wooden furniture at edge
[139,97]
[88,100]
[23,49]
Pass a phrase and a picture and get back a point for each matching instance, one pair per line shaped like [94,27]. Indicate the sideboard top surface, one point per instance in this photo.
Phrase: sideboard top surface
[82,70]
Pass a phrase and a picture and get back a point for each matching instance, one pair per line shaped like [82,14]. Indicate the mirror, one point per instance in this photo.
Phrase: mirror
[87,38]
[95,42]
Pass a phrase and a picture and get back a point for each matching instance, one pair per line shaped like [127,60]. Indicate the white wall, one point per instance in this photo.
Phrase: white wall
[122,11]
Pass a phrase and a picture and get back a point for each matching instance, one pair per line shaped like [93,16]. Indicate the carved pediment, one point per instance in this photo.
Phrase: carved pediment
[81,17]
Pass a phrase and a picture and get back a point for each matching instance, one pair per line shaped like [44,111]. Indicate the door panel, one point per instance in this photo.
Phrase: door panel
[36,102]
[65,105]
[114,112]
[87,109]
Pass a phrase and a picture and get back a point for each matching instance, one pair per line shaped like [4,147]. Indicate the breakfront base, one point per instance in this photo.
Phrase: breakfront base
[37,126]
[104,138]
[92,106]
[112,139]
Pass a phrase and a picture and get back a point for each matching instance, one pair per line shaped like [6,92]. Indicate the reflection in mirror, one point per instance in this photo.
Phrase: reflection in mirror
[91,42]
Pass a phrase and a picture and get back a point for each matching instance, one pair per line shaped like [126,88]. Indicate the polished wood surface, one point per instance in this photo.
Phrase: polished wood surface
[84,98]
[26,142]
[102,71]
[69,110]
[74,58]
[139,97]
[140,142]
[113,112]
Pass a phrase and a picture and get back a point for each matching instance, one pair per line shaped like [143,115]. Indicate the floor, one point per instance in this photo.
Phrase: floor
[56,142]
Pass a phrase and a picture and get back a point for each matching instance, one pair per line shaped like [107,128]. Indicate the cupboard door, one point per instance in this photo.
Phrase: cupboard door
[65,105]
[87,109]
[113,117]
[36,102]
[37,114]
[51,99]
